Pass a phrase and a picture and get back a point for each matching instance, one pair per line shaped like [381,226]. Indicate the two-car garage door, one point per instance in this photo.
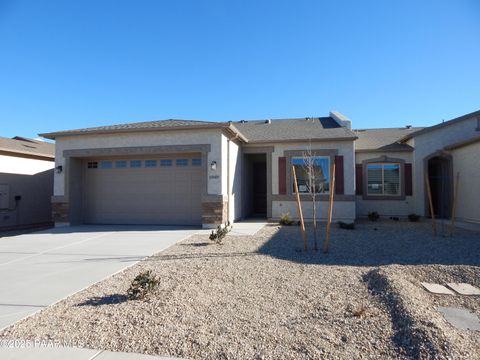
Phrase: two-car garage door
[143,190]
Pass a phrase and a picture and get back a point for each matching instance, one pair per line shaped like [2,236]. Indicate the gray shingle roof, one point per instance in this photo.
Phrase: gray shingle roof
[463,143]
[144,125]
[254,131]
[425,130]
[27,146]
[301,129]
[386,139]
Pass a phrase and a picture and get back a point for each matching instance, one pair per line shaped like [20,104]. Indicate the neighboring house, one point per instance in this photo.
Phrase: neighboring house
[392,166]
[383,170]
[430,154]
[26,182]
[465,156]
[205,173]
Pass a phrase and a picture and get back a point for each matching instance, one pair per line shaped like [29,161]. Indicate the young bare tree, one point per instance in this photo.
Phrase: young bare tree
[315,184]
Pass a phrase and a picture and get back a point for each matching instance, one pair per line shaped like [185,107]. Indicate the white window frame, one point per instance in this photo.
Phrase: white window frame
[382,164]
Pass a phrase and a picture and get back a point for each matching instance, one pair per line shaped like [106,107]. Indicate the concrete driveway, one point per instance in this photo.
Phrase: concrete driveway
[39,269]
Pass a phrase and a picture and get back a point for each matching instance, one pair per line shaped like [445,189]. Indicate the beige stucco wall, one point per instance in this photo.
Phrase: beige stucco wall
[399,208]
[362,156]
[466,162]
[342,210]
[158,138]
[431,142]
[232,163]
[223,164]
[32,180]
[386,208]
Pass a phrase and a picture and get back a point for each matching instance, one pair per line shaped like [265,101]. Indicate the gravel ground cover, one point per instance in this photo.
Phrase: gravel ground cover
[262,297]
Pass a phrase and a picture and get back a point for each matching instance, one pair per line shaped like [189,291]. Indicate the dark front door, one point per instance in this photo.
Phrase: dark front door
[439,173]
[259,188]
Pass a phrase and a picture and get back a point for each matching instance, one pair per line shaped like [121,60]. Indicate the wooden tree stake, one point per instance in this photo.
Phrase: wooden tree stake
[326,244]
[300,214]
[454,205]
[430,202]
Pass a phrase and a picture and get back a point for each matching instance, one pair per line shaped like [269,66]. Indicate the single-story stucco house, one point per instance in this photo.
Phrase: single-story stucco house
[442,151]
[184,172]
[26,182]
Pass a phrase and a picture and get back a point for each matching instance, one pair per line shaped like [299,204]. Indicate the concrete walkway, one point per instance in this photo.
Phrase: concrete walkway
[61,353]
[41,268]
[241,228]
[247,228]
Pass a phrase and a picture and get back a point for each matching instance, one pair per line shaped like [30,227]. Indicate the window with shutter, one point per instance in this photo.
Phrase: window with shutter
[383,179]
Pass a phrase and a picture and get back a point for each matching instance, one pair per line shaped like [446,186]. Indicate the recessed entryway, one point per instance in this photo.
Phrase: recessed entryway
[255,186]
[440,178]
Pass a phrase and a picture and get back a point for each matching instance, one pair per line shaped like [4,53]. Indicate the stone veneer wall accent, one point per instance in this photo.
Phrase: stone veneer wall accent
[60,212]
[214,213]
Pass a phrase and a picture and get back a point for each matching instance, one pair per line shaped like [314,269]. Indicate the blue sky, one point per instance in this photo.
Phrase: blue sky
[73,64]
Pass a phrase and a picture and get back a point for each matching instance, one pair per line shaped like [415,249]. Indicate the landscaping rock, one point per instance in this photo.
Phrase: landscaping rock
[263,297]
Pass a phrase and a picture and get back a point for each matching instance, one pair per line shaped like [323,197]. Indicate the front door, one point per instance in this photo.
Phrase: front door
[440,178]
[260,188]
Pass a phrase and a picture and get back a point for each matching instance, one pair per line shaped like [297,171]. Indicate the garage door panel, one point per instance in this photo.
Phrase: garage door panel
[158,195]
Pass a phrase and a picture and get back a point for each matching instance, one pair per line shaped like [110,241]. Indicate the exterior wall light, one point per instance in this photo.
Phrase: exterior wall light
[213,165]
[59,169]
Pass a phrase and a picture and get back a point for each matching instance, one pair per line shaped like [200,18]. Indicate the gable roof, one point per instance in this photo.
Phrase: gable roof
[256,131]
[386,139]
[297,129]
[441,125]
[26,146]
